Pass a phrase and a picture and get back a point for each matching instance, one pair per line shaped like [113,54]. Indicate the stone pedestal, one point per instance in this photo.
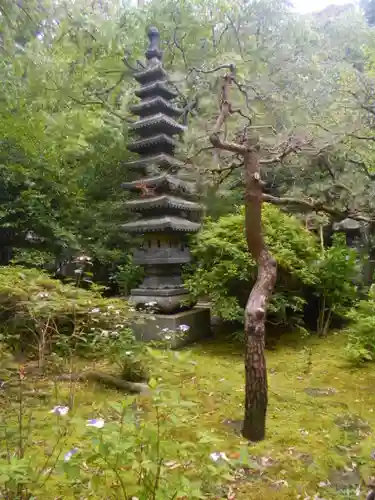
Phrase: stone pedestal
[151,328]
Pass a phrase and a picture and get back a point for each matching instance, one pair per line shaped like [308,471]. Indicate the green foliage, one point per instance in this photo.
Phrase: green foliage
[338,275]
[361,344]
[133,449]
[133,454]
[128,276]
[226,273]
[36,309]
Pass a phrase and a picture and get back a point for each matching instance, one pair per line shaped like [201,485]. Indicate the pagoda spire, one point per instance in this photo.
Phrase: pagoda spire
[166,202]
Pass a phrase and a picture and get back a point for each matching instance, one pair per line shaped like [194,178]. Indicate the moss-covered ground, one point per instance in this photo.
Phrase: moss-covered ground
[320,425]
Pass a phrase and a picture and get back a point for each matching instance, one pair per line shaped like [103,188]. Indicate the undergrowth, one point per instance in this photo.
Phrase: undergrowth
[182,440]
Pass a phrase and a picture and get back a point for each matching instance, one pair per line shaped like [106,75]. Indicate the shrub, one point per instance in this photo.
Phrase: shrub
[226,272]
[337,272]
[40,311]
[128,276]
[361,331]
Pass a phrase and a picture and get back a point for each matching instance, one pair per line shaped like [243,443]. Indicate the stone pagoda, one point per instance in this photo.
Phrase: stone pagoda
[166,200]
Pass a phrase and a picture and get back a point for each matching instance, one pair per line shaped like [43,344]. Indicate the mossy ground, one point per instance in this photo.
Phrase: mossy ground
[320,420]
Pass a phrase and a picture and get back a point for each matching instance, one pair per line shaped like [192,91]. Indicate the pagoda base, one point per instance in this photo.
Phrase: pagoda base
[166,327]
[164,301]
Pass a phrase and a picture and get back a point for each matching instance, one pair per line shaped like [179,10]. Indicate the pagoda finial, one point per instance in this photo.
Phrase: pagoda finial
[153,53]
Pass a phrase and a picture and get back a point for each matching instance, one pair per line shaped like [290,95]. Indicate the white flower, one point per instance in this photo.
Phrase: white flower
[95,422]
[167,337]
[165,330]
[95,310]
[42,295]
[219,455]
[60,410]
[119,326]
[184,328]
[70,453]
[84,258]
[128,353]
[110,307]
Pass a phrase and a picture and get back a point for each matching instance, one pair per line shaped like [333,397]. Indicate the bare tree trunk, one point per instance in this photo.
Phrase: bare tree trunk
[256,397]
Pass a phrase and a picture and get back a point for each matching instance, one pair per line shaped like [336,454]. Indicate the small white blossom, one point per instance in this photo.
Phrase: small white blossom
[128,353]
[84,258]
[165,330]
[184,328]
[219,455]
[95,422]
[110,307]
[95,310]
[60,410]
[43,295]
[70,453]
[167,337]
[119,326]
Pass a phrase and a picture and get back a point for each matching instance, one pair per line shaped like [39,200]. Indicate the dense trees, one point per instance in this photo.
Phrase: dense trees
[304,87]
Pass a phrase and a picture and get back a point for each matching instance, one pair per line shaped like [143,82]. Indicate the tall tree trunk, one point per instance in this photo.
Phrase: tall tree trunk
[254,424]
[256,390]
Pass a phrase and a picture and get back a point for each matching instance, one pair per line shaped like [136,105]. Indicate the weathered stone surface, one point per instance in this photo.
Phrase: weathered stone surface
[353,424]
[167,207]
[341,479]
[159,326]
[317,392]
[166,301]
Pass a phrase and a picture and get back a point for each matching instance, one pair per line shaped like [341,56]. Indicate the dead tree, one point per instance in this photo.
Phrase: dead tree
[256,391]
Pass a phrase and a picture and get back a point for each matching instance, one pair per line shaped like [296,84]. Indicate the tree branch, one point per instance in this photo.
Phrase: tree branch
[292,145]
[316,206]
[364,168]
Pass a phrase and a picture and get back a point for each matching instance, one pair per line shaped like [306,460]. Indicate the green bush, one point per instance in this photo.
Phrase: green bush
[361,331]
[128,276]
[226,272]
[337,274]
[36,310]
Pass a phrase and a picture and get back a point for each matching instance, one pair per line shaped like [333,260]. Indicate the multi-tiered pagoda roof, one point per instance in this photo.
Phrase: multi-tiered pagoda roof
[167,201]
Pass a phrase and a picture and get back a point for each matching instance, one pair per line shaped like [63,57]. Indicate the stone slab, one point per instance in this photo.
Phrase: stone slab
[151,328]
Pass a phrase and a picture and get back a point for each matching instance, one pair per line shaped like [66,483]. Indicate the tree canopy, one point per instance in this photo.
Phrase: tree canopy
[305,82]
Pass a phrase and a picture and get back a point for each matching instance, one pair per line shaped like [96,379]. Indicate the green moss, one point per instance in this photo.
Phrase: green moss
[308,437]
